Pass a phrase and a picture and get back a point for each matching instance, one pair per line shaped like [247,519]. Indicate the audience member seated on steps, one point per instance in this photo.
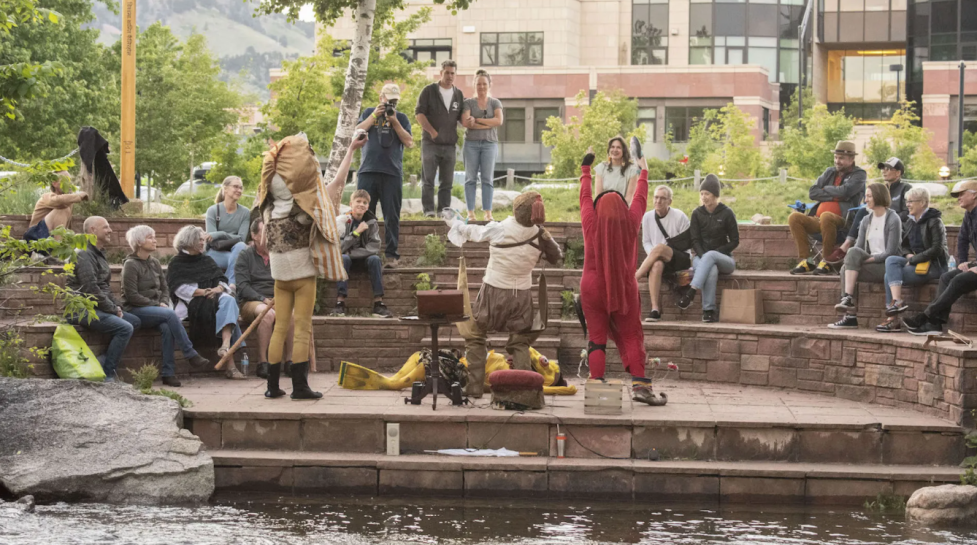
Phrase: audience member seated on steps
[659,228]
[255,291]
[146,296]
[879,236]
[53,209]
[839,188]
[361,244]
[200,290]
[922,257]
[92,277]
[227,227]
[958,282]
[714,237]
[892,171]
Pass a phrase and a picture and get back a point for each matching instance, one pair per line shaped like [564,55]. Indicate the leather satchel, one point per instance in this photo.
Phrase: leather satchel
[681,242]
[225,244]
[440,303]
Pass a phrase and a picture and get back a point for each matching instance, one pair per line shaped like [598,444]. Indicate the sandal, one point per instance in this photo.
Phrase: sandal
[488,217]
[471,217]
[223,350]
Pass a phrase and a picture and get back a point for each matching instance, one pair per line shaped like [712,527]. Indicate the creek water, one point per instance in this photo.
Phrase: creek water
[258,520]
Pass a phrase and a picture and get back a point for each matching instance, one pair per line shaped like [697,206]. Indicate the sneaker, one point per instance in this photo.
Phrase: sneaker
[804,267]
[709,316]
[897,307]
[685,301]
[110,377]
[915,320]
[198,361]
[171,381]
[848,322]
[824,269]
[891,325]
[926,328]
[380,310]
[837,256]
[340,309]
[847,303]
[635,149]
[654,316]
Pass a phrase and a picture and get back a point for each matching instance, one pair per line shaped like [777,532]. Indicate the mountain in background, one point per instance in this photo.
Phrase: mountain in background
[246,46]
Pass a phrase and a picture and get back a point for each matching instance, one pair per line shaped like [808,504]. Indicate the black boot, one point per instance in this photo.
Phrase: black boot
[273,391]
[300,382]
[287,368]
[262,371]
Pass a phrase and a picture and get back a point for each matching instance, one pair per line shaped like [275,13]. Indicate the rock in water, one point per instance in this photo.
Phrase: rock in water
[76,440]
[945,505]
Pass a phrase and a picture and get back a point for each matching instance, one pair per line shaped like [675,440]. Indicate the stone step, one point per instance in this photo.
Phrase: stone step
[294,472]
[804,434]
[893,369]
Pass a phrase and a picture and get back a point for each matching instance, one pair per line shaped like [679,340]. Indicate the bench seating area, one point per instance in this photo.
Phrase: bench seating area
[792,350]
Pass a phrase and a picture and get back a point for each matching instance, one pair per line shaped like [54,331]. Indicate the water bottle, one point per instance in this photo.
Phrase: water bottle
[952,264]
[244,364]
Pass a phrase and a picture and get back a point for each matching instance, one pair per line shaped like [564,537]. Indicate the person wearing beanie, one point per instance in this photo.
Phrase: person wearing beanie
[505,301]
[839,189]
[608,288]
[714,237]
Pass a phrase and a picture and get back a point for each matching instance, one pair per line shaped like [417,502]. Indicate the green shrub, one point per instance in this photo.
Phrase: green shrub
[435,251]
[12,363]
[143,379]
[969,476]
[567,310]
[573,253]
[886,503]
[423,282]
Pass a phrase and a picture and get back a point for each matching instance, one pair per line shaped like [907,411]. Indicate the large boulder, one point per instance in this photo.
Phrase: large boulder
[935,189]
[945,505]
[74,440]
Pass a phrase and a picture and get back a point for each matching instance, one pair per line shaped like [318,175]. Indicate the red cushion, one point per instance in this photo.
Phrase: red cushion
[513,380]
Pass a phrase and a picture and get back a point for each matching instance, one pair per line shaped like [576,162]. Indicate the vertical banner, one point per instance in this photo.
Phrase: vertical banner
[128,145]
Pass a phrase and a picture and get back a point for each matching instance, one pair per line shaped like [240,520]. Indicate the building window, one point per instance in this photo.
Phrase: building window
[863,83]
[970,118]
[512,48]
[649,118]
[679,121]
[864,20]
[426,51]
[540,115]
[514,128]
[765,123]
[649,32]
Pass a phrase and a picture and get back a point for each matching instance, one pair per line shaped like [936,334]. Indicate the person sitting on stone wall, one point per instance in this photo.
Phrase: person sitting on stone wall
[255,291]
[879,236]
[361,244]
[54,208]
[147,297]
[839,188]
[202,295]
[92,277]
[923,256]
[660,231]
[227,227]
[957,282]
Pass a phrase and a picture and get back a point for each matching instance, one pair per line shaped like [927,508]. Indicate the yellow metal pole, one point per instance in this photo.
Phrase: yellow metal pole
[128,146]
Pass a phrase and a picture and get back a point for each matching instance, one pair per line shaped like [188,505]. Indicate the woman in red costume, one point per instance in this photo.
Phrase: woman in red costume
[608,289]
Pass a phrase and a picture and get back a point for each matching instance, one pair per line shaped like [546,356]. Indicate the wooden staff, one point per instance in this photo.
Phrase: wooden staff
[230,352]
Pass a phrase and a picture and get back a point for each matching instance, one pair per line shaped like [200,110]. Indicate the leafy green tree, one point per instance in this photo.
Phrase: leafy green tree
[20,76]
[364,11]
[182,107]
[968,162]
[723,141]
[905,139]
[607,115]
[806,150]
[82,93]
[244,163]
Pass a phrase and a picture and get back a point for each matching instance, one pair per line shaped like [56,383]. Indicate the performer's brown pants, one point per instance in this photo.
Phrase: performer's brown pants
[477,354]
[802,225]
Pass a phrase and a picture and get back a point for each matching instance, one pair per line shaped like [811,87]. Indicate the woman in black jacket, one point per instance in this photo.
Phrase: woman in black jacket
[714,237]
[923,255]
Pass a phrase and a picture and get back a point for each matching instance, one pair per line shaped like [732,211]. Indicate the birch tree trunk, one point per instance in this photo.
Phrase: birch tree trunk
[349,108]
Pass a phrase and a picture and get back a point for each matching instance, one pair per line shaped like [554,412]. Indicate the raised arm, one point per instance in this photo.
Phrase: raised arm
[588,216]
[639,202]
[335,188]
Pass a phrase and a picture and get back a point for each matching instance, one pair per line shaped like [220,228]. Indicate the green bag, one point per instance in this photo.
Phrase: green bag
[72,358]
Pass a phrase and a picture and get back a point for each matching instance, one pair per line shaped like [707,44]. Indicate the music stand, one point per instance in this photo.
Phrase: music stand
[434,382]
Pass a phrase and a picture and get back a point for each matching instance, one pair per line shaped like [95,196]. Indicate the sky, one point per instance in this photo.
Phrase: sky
[306,13]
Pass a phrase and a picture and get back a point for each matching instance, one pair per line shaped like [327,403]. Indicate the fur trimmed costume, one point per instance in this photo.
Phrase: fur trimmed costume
[608,288]
[505,302]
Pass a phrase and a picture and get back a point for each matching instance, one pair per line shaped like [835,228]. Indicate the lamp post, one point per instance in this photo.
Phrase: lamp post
[897,68]
[963,67]
[945,172]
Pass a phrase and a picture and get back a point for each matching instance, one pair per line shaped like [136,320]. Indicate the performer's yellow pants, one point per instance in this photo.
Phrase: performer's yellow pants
[294,299]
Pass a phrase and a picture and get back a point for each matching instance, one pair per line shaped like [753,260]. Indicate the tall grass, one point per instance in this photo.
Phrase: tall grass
[18,195]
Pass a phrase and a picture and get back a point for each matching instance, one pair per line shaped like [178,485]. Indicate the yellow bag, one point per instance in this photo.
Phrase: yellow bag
[922,269]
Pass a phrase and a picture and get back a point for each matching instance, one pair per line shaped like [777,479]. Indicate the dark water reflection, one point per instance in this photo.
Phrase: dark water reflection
[355,521]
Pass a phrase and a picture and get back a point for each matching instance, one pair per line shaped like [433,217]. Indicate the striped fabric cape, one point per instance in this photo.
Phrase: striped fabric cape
[294,160]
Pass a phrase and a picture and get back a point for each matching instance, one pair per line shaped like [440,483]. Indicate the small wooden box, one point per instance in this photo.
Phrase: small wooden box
[434,303]
[602,397]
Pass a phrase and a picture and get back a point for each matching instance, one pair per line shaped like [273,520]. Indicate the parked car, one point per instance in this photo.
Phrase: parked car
[198,181]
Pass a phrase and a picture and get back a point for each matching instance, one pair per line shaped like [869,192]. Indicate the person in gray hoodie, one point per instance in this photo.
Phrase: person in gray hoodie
[879,237]
[438,111]
[361,243]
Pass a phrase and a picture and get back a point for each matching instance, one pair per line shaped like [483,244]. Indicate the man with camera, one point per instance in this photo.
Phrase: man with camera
[381,172]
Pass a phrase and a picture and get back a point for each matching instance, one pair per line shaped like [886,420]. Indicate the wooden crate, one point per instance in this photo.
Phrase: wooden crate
[602,397]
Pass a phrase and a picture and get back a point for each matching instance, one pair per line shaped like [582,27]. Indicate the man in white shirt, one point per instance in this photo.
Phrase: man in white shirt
[658,226]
